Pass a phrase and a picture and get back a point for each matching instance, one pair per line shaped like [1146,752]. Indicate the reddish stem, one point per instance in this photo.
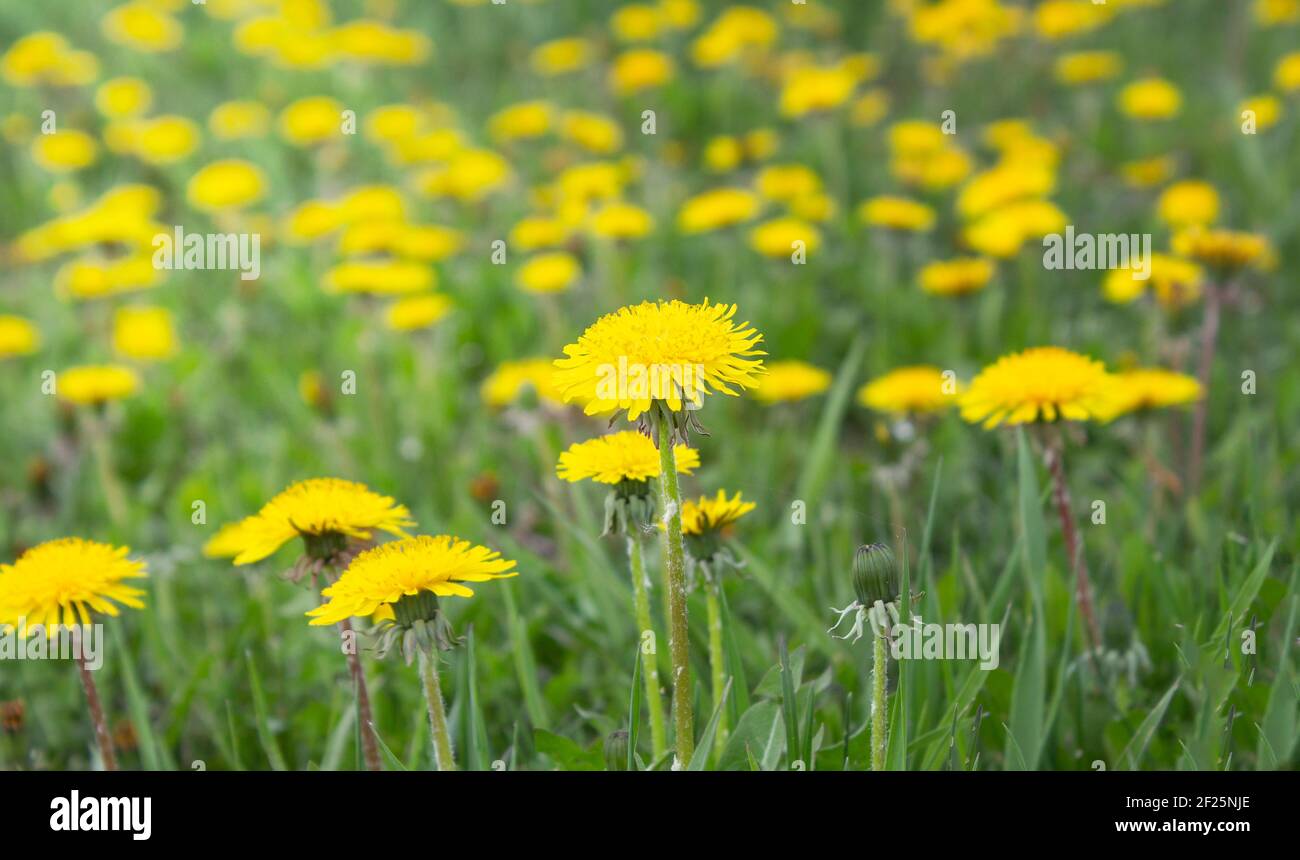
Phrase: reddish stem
[369,747]
[1209,337]
[97,714]
[1052,455]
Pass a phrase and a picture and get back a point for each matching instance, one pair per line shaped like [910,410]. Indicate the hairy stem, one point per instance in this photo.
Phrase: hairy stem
[670,507]
[102,736]
[879,703]
[649,661]
[437,714]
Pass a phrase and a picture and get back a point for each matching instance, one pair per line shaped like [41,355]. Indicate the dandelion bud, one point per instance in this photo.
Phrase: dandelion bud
[616,750]
[874,576]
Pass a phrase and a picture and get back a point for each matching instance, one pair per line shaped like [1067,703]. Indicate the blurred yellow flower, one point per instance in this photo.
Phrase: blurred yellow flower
[379,277]
[538,231]
[46,59]
[913,390]
[90,385]
[636,22]
[65,151]
[561,56]
[812,89]
[896,213]
[1151,99]
[640,69]
[144,333]
[470,175]
[17,336]
[310,121]
[225,185]
[1286,75]
[790,381]
[417,312]
[512,378]
[1175,281]
[717,209]
[619,220]
[552,272]
[594,132]
[785,182]
[1226,249]
[1062,19]
[778,237]
[94,278]
[1263,111]
[1148,172]
[1190,203]
[957,277]
[1087,67]
[120,98]
[143,27]
[521,121]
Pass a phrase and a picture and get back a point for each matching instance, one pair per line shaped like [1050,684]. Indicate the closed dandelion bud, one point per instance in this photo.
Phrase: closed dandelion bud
[616,750]
[874,577]
[629,507]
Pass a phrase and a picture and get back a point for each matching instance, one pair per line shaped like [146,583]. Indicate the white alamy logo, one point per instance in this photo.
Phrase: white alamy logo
[181,250]
[131,814]
[82,643]
[920,641]
[1072,250]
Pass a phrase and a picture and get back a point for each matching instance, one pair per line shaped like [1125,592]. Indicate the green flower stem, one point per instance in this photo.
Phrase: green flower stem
[102,736]
[670,506]
[102,450]
[717,660]
[879,703]
[650,663]
[437,715]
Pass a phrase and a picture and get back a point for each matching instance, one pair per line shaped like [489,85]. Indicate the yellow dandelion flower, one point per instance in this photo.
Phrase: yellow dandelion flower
[538,231]
[561,56]
[96,384]
[380,277]
[896,213]
[521,121]
[812,89]
[311,220]
[17,336]
[46,58]
[144,333]
[59,583]
[225,185]
[1190,203]
[469,176]
[380,577]
[121,98]
[914,390]
[621,221]
[552,272]
[1150,388]
[1175,281]
[1151,99]
[638,70]
[1226,249]
[1087,67]
[869,108]
[717,209]
[1286,75]
[666,351]
[596,133]
[958,277]
[782,237]
[1264,111]
[723,154]
[160,140]
[636,22]
[65,151]
[95,279]
[713,514]
[417,312]
[318,509]
[310,121]
[1148,172]
[1061,19]
[617,457]
[512,378]
[789,381]
[1274,13]
[142,27]
[1039,384]
[786,182]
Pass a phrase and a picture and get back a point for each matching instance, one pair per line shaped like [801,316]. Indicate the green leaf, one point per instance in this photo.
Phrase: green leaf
[760,735]
[566,753]
[1277,733]
[700,758]
[264,733]
[634,710]
[1137,746]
